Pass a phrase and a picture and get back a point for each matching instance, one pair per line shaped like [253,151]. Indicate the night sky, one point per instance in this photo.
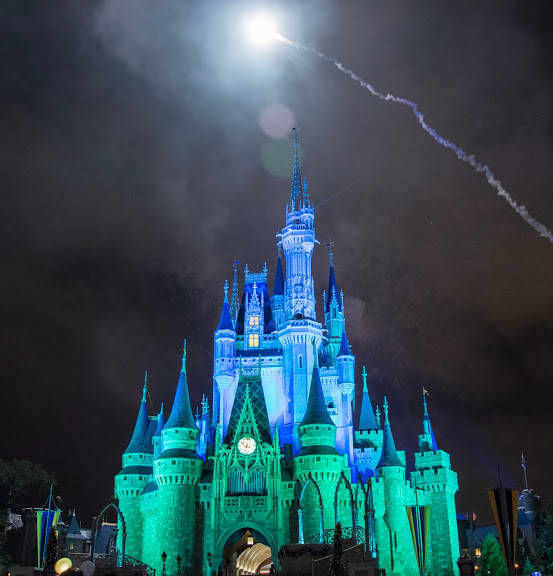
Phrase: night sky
[134,171]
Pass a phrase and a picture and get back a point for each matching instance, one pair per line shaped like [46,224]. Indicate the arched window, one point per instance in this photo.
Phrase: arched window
[300,362]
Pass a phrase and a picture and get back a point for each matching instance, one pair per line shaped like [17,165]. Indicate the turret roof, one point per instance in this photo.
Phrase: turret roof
[316,412]
[389,455]
[181,412]
[279,278]
[225,322]
[138,440]
[367,421]
[332,289]
[344,345]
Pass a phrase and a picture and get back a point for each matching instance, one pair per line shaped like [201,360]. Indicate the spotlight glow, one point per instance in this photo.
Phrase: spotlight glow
[262,30]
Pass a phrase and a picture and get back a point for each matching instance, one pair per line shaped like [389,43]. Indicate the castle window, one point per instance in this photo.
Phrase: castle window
[72,546]
[478,552]
[140,478]
[300,362]
[253,341]
[254,321]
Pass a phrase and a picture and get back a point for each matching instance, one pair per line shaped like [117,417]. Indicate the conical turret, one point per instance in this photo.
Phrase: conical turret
[317,430]
[138,440]
[389,455]
[367,421]
[334,313]
[225,322]
[181,412]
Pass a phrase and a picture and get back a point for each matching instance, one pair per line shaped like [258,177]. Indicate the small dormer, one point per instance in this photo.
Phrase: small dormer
[253,320]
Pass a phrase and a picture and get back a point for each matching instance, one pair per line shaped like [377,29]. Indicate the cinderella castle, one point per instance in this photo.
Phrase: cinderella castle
[280,459]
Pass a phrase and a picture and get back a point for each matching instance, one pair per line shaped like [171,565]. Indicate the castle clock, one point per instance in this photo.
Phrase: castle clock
[246,445]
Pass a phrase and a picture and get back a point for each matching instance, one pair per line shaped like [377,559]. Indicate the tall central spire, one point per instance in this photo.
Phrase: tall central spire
[295,197]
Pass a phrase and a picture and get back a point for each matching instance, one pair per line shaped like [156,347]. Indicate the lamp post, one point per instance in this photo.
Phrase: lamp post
[163,561]
[179,560]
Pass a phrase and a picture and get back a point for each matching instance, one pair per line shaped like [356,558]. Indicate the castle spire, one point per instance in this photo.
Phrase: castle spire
[389,455]
[295,196]
[234,306]
[181,413]
[139,436]
[367,421]
[333,294]
[225,322]
[427,440]
[316,412]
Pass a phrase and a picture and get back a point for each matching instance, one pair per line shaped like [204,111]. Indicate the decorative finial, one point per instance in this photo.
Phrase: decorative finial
[329,245]
[265,268]
[424,395]
[279,246]
[246,270]
[377,416]
[145,389]
[205,405]
[161,411]
[197,414]
[226,290]
[184,357]
[364,374]
[386,421]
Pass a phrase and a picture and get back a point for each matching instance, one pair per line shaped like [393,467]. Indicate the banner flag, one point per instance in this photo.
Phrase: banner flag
[504,503]
[45,519]
[419,517]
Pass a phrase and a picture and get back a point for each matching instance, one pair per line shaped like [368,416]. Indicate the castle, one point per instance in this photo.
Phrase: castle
[279,460]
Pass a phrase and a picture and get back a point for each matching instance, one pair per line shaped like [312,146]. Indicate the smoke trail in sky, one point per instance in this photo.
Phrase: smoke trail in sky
[461,154]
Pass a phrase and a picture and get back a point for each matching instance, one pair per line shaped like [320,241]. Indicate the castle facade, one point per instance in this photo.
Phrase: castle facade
[277,460]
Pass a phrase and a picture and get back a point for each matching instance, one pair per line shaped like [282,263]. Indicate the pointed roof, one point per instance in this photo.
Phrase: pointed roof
[344,346]
[138,440]
[317,411]
[160,422]
[295,196]
[225,322]
[249,391]
[279,278]
[389,455]
[332,287]
[367,421]
[181,413]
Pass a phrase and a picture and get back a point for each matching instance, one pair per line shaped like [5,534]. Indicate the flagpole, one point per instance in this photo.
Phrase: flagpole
[523,464]
[505,517]
[46,530]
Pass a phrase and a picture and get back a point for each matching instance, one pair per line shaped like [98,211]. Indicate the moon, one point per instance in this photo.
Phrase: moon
[261,30]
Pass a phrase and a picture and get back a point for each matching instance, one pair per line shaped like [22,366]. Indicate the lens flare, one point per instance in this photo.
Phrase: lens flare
[261,30]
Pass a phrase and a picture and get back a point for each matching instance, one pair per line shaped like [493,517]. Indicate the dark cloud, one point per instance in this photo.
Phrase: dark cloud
[132,177]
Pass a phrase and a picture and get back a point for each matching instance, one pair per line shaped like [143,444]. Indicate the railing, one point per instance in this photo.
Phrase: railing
[349,533]
[143,569]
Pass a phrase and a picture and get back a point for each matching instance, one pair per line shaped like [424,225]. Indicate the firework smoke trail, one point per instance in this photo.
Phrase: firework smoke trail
[461,154]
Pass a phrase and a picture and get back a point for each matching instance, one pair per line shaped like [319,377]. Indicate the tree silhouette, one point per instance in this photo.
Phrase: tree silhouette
[492,561]
[337,567]
[51,554]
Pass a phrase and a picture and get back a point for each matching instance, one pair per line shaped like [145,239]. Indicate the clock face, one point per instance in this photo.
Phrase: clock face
[246,445]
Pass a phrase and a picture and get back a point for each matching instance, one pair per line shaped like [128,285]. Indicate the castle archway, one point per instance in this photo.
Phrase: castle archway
[245,546]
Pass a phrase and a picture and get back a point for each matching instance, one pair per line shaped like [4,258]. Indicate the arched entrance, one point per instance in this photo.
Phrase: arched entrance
[246,549]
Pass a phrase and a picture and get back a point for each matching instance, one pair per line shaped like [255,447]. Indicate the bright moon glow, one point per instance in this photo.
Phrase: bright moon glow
[262,30]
